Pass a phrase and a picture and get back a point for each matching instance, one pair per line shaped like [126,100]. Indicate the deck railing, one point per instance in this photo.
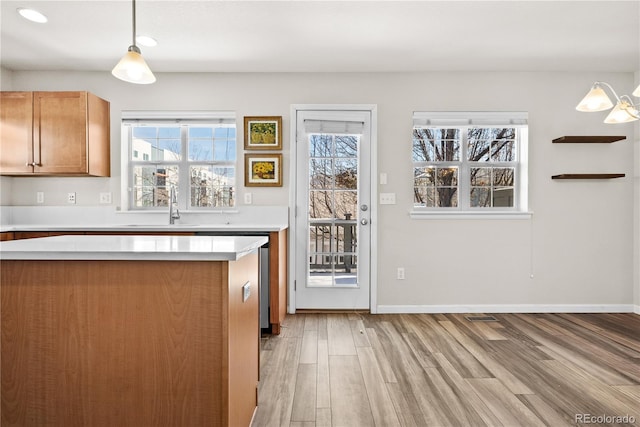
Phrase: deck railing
[332,245]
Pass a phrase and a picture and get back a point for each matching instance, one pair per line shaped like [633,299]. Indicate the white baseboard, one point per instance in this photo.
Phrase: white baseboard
[510,308]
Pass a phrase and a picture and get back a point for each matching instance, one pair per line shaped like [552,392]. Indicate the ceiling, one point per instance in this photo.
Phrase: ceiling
[327,36]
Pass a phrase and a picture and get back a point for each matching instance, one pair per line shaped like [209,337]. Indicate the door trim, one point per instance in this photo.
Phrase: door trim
[293,170]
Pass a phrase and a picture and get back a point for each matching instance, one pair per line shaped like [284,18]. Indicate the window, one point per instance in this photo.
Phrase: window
[469,162]
[196,155]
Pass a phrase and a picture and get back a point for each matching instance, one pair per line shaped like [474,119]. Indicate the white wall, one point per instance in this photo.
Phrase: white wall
[5,78]
[578,245]
[636,214]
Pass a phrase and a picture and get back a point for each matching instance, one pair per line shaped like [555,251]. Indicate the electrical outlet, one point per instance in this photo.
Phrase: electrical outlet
[71,198]
[400,273]
[248,198]
[40,197]
[105,198]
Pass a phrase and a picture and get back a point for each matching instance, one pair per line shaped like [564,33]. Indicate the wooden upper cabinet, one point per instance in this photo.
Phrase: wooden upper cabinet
[16,133]
[70,136]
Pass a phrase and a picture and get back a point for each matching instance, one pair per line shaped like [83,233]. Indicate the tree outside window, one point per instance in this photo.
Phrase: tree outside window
[465,167]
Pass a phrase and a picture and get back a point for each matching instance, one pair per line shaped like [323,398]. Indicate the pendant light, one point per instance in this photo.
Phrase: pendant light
[132,68]
[623,111]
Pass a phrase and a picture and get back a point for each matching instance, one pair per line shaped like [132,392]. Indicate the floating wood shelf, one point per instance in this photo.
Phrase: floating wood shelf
[588,176]
[588,139]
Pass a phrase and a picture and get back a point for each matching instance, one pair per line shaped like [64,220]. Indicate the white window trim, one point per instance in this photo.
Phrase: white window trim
[465,120]
[190,117]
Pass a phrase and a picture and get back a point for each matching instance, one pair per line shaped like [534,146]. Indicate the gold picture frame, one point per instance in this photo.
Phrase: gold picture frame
[263,170]
[263,133]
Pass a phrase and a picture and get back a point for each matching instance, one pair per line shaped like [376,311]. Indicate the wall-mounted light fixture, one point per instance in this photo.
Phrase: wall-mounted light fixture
[132,68]
[597,100]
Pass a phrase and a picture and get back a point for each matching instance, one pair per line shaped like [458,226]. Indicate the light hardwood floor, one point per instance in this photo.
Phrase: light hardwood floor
[443,370]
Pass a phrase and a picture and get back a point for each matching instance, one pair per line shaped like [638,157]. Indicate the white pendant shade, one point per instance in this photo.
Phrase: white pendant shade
[595,100]
[133,69]
[622,113]
[636,92]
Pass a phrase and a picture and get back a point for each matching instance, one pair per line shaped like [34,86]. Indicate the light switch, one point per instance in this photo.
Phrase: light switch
[387,198]
[248,198]
[383,178]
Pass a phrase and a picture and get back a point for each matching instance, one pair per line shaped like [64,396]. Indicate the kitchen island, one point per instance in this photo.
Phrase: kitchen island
[276,231]
[129,330]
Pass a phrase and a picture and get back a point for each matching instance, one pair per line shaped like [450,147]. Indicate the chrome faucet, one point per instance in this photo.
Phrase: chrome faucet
[174,213]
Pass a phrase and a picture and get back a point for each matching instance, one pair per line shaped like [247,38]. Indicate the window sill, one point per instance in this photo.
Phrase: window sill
[469,215]
[165,211]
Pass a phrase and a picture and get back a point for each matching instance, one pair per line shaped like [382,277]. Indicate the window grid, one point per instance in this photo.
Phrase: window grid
[202,181]
[461,195]
[333,164]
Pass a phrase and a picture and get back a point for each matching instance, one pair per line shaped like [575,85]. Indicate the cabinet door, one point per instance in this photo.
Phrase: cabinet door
[60,132]
[16,136]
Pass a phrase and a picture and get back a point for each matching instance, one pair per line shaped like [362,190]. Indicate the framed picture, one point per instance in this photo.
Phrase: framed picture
[263,133]
[263,170]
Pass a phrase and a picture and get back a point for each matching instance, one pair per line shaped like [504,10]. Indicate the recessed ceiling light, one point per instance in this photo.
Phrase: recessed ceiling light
[146,41]
[32,15]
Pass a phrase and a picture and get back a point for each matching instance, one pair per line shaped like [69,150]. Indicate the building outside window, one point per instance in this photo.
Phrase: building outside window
[194,153]
[469,162]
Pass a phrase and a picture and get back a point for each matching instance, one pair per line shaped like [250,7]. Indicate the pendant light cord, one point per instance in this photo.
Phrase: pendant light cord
[133,3]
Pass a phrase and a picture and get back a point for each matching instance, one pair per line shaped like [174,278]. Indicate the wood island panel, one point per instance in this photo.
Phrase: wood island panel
[277,279]
[19,235]
[126,343]
[244,321]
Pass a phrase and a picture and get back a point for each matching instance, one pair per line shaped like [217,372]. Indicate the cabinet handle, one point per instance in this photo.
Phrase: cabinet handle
[34,164]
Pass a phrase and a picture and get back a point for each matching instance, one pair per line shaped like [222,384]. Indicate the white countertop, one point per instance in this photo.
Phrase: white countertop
[196,228]
[132,248]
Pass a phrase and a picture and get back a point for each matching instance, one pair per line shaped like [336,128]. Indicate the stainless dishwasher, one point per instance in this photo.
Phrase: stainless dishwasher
[263,275]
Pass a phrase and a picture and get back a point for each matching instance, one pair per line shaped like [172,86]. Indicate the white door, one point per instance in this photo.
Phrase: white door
[333,209]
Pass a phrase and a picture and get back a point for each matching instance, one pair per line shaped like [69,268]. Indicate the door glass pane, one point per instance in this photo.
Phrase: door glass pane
[346,146]
[346,171]
[346,203]
[320,204]
[320,146]
[333,210]
[320,173]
